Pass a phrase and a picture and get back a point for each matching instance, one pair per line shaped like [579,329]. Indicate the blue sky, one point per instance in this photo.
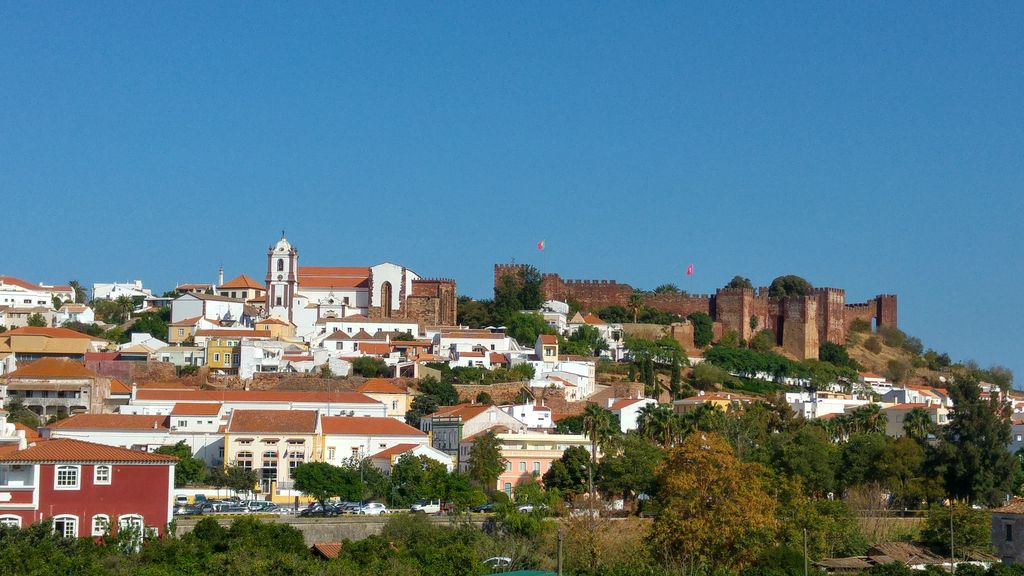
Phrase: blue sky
[871,146]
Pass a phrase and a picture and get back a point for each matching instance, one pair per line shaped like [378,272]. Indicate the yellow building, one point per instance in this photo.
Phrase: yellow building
[31,343]
[224,354]
[396,398]
[279,329]
[725,401]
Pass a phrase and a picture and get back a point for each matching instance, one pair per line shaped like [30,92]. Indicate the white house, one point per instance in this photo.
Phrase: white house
[536,418]
[813,405]
[162,401]
[71,312]
[385,459]
[216,308]
[451,342]
[347,437]
[628,411]
[16,292]
[117,289]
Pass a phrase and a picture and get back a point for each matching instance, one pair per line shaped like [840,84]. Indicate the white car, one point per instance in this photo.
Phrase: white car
[427,507]
[498,562]
[373,509]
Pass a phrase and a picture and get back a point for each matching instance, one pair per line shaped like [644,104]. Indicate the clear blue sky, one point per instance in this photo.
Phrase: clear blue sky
[877,147]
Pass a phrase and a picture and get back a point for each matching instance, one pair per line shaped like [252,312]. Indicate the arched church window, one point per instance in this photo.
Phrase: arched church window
[280,265]
[385,299]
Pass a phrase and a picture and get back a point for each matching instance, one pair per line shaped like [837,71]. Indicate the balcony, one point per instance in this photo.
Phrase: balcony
[17,477]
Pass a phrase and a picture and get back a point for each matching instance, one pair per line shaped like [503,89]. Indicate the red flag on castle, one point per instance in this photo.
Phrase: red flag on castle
[689,270]
[540,245]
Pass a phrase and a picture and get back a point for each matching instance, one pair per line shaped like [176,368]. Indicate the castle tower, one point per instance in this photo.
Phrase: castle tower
[282,278]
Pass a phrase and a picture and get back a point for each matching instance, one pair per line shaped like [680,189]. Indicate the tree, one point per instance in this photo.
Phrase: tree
[80,292]
[585,341]
[597,422]
[972,530]
[18,413]
[714,510]
[636,301]
[484,398]
[836,354]
[37,320]
[125,305]
[150,324]
[657,422]
[739,282]
[973,445]
[369,367]
[809,454]
[789,285]
[324,481]
[632,470]
[519,290]
[667,289]
[235,478]
[702,331]
[873,344]
[917,424]
[188,470]
[525,327]
[898,370]
[569,473]
[763,341]
[676,378]
[485,461]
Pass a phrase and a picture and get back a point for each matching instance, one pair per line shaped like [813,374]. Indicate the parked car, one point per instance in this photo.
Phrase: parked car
[531,507]
[181,500]
[498,562]
[319,510]
[427,507]
[373,509]
[351,507]
[261,506]
[483,508]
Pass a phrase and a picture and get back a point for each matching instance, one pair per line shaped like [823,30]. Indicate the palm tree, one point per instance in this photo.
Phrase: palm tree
[868,418]
[635,302]
[644,420]
[125,304]
[658,423]
[918,424]
[597,422]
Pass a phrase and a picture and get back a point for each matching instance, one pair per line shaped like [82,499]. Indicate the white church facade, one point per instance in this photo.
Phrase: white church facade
[305,294]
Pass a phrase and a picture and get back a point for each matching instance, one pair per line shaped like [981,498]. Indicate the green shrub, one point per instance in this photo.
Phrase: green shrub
[873,344]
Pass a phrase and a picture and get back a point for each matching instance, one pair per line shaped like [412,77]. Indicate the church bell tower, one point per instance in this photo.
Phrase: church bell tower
[282,278]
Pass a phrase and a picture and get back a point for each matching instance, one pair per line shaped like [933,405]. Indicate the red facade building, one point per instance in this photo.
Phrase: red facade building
[86,489]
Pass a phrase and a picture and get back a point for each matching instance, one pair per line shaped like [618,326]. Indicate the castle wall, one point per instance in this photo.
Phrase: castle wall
[799,326]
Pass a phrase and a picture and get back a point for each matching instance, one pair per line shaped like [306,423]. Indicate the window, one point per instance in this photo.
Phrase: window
[216,356]
[280,265]
[132,522]
[394,406]
[536,467]
[508,488]
[234,358]
[1008,532]
[100,524]
[66,478]
[330,453]
[101,474]
[295,457]
[244,460]
[181,332]
[10,521]
[278,301]
[182,423]
[65,526]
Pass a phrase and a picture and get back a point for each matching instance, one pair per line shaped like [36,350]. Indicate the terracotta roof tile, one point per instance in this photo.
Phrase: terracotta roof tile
[375,348]
[466,411]
[187,321]
[68,450]
[367,426]
[233,333]
[328,550]
[118,387]
[195,409]
[496,358]
[53,368]
[48,332]
[379,386]
[111,422]
[396,450]
[244,282]
[30,432]
[255,396]
[273,421]
[548,339]
[624,402]
[911,406]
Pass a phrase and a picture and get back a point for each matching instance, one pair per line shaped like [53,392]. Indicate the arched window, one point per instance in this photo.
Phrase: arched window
[66,478]
[65,526]
[280,265]
[10,520]
[100,524]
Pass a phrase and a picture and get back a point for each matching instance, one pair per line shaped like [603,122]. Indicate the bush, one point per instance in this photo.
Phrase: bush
[702,330]
[892,337]
[706,376]
[860,325]
[873,345]
[369,367]
[763,341]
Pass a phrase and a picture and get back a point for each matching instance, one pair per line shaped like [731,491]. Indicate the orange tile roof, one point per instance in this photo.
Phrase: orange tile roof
[496,358]
[195,409]
[53,368]
[12,281]
[471,354]
[118,387]
[624,402]
[374,348]
[472,334]
[334,277]
[498,429]
[273,421]
[187,321]
[48,332]
[592,319]
[328,550]
[30,432]
[466,411]
[218,396]
[274,321]
[165,386]
[242,281]
[379,386]
[396,450]
[367,426]
[912,405]
[548,339]
[233,333]
[68,450]
[125,422]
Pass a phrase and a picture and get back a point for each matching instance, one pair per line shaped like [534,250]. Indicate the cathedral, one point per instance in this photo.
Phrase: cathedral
[305,294]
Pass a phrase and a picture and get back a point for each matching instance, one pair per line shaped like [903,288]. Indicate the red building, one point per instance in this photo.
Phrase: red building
[85,488]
